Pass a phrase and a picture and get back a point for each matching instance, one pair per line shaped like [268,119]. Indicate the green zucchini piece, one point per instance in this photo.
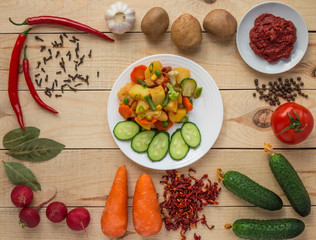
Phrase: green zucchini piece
[250,191]
[191,134]
[291,184]
[126,130]
[141,141]
[268,229]
[158,147]
[188,86]
[178,148]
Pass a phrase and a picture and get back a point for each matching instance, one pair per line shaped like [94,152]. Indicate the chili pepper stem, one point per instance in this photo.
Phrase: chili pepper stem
[19,24]
[26,31]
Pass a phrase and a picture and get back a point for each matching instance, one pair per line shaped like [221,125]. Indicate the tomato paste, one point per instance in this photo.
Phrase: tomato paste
[272,37]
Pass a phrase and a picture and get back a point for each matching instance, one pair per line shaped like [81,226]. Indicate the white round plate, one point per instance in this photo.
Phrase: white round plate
[258,63]
[207,113]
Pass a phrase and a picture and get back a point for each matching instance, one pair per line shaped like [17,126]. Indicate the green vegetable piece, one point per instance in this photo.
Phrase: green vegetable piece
[173,94]
[178,149]
[291,184]
[18,136]
[151,67]
[37,150]
[165,124]
[125,101]
[268,229]
[198,92]
[157,72]
[150,103]
[20,174]
[165,101]
[141,82]
[250,191]
[188,86]
[126,130]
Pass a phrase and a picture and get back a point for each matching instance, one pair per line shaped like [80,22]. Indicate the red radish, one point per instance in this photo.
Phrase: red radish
[21,196]
[78,219]
[29,217]
[56,212]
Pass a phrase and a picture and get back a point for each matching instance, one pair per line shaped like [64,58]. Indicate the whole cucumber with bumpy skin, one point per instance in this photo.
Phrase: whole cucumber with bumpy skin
[250,191]
[268,229]
[291,184]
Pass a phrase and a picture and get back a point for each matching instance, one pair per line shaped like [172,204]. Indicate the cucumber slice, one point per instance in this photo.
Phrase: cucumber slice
[158,147]
[178,148]
[141,141]
[191,134]
[188,86]
[126,130]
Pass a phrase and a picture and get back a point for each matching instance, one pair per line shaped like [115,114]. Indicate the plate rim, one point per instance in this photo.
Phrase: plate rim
[212,84]
[282,69]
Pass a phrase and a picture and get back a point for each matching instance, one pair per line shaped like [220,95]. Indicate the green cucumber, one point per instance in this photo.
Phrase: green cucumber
[188,86]
[291,184]
[158,147]
[178,148]
[141,141]
[126,130]
[191,134]
[268,229]
[250,191]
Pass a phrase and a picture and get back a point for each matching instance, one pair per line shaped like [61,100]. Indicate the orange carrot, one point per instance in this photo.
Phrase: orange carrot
[114,216]
[159,125]
[145,121]
[147,217]
[125,111]
[187,104]
[138,73]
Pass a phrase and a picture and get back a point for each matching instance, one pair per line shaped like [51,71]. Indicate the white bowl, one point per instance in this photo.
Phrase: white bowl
[259,63]
[207,113]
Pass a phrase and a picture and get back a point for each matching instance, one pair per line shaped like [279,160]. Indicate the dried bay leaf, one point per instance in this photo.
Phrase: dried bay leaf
[18,136]
[19,174]
[37,150]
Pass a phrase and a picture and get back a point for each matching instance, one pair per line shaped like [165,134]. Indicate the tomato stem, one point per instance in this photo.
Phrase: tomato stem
[295,123]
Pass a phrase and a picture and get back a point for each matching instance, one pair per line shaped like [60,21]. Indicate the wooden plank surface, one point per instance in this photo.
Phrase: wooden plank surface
[84,171]
[82,122]
[92,12]
[110,59]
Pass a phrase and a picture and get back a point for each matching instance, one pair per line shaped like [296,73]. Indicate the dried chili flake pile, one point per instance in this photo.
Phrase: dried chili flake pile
[184,198]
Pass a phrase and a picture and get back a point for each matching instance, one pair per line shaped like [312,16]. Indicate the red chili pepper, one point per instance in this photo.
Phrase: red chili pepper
[14,77]
[31,86]
[64,22]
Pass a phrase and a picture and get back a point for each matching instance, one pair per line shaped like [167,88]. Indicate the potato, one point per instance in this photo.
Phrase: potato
[158,95]
[186,32]
[172,106]
[155,22]
[182,73]
[152,68]
[177,117]
[220,23]
[138,92]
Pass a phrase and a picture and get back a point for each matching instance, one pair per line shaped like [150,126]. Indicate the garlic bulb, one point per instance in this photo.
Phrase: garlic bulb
[120,17]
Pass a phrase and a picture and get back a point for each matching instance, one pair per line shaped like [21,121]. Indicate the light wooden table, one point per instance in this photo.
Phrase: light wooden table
[84,171]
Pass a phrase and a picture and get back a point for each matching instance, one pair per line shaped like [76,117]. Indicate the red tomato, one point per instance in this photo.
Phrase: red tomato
[292,123]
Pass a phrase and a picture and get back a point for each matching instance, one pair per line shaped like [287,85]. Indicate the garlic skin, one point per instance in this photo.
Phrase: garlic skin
[120,17]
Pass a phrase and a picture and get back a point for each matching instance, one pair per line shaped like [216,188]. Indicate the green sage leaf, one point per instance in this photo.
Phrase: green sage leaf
[18,136]
[37,150]
[20,174]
